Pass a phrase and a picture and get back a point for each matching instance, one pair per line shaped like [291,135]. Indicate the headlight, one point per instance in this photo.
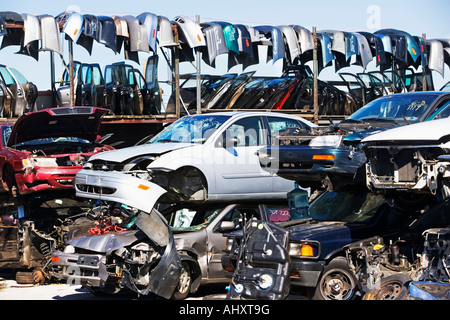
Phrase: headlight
[303,249]
[30,163]
[88,166]
[69,249]
[329,141]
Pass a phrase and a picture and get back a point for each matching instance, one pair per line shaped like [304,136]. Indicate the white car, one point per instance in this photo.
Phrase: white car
[413,157]
[209,156]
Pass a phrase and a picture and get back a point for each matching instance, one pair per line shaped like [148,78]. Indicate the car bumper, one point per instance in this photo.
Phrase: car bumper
[118,187]
[306,273]
[87,269]
[313,163]
[46,179]
[303,273]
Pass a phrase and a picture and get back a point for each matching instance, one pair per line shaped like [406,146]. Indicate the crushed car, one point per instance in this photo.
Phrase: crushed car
[413,158]
[31,231]
[199,157]
[412,264]
[43,150]
[133,248]
[335,158]
[197,228]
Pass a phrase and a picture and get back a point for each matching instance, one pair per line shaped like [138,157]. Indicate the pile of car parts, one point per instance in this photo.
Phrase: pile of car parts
[386,273]
[262,270]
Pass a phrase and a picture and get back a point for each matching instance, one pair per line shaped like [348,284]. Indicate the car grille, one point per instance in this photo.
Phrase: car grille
[104,166]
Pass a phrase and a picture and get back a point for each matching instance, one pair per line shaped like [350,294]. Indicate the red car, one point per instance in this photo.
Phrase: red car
[43,150]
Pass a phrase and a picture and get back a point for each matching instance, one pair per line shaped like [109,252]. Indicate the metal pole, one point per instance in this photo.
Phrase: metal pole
[199,104]
[52,78]
[177,77]
[315,72]
[72,75]
[424,71]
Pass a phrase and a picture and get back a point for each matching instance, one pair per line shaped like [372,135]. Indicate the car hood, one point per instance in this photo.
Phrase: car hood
[315,230]
[80,122]
[120,155]
[106,243]
[424,131]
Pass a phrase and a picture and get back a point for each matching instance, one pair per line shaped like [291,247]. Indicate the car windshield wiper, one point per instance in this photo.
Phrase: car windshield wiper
[167,140]
[352,121]
[380,120]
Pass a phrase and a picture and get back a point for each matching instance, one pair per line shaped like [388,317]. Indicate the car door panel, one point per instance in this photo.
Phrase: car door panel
[238,165]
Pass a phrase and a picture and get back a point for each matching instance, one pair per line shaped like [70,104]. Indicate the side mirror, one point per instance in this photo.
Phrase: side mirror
[227,226]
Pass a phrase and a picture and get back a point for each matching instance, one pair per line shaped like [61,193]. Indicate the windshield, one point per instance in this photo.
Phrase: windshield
[358,207]
[191,218]
[399,108]
[190,129]
[56,140]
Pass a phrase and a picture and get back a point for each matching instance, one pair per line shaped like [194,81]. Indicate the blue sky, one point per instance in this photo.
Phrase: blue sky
[413,16]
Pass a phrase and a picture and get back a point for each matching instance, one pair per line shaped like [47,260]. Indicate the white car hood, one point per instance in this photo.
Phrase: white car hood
[425,131]
[121,155]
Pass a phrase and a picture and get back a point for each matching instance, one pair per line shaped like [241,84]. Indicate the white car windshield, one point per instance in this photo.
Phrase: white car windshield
[190,129]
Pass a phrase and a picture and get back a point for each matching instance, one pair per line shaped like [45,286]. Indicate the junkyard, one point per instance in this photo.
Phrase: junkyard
[152,177]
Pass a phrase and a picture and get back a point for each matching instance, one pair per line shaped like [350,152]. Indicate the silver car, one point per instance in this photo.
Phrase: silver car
[199,233]
[119,249]
[200,157]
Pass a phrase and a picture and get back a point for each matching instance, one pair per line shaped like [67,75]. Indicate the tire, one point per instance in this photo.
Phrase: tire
[30,277]
[336,282]
[23,277]
[184,285]
[394,287]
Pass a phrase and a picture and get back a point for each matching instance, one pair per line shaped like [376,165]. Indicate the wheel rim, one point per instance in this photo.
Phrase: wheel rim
[391,290]
[185,280]
[337,285]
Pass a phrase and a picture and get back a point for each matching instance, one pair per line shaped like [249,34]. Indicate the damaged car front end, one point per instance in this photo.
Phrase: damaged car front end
[129,247]
[412,158]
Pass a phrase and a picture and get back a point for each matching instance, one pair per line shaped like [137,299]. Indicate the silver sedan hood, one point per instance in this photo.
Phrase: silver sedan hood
[106,243]
[121,155]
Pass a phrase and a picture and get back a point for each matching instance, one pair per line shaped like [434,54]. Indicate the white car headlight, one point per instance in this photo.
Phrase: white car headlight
[329,141]
[69,249]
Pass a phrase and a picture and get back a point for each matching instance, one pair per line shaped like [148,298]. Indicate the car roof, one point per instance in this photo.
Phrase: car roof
[235,114]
